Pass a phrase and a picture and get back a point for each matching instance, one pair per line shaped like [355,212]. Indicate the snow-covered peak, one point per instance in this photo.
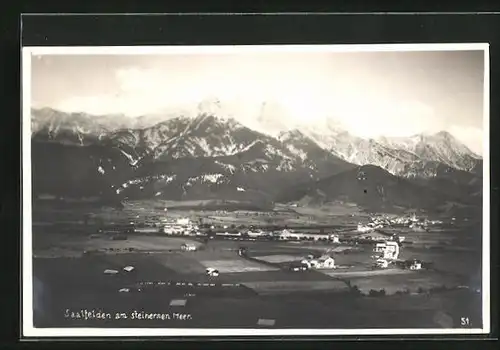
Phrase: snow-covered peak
[72,128]
[272,118]
[325,126]
[208,121]
[442,147]
[210,106]
[212,128]
[291,135]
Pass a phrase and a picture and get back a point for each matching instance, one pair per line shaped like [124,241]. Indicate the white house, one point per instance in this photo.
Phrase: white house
[173,230]
[389,250]
[212,272]
[325,262]
[188,247]
[334,238]
[183,221]
[416,265]
[287,234]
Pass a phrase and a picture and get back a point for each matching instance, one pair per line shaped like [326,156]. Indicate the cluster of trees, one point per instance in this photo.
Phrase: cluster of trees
[309,238]
[382,292]
[377,293]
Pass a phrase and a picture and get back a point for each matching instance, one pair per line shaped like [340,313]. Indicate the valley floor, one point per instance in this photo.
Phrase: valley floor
[173,285]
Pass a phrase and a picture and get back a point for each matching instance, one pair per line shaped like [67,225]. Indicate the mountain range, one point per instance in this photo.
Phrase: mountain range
[204,155]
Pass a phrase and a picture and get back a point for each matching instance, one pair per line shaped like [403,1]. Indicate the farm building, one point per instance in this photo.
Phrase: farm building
[417,265]
[389,250]
[172,230]
[285,234]
[212,272]
[334,238]
[310,263]
[183,221]
[323,262]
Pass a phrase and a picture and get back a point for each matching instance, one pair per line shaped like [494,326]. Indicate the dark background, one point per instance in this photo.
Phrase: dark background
[128,30]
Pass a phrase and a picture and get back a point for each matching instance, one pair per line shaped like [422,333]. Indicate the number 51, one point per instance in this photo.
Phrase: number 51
[464,321]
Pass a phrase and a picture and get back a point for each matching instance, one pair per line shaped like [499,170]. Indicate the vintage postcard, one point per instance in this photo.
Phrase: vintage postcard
[256,190]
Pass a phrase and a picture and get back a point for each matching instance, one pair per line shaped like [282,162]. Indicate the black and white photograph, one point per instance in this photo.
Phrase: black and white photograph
[256,190]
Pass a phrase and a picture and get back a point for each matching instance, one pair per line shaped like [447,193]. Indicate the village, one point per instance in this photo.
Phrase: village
[385,245]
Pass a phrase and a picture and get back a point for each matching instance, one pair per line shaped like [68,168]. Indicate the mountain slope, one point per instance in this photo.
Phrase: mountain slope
[263,167]
[212,155]
[186,135]
[396,155]
[209,136]
[362,151]
[76,128]
[188,158]
[369,187]
[465,186]
[77,171]
[441,147]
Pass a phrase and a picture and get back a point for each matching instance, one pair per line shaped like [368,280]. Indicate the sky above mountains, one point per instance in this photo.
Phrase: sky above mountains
[369,93]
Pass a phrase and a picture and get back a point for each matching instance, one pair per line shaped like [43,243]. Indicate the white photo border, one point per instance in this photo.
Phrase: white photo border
[28,329]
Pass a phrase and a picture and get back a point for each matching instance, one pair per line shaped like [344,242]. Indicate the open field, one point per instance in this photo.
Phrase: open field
[246,290]
[315,307]
[340,210]
[181,263]
[223,252]
[280,258]
[142,211]
[365,273]
[401,282]
[60,243]
[335,214]
[235,265]
[273,287]
[86,286]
